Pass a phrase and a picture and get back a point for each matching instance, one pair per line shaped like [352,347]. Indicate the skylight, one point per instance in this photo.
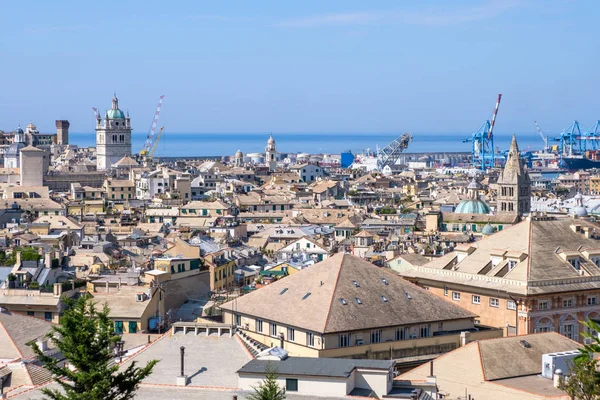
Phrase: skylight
[357,300]
[407,295]
[384,299]
[385,282]
[344,302]
[283,291]
[356,283]
[306,296]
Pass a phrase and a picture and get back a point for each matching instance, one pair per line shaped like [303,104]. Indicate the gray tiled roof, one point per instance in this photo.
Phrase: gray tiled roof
[308,366]
[384,299]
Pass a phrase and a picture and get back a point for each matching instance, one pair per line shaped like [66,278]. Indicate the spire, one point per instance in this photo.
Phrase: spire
[514,147]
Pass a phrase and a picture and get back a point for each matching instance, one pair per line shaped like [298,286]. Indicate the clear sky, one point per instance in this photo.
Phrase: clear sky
[302,66]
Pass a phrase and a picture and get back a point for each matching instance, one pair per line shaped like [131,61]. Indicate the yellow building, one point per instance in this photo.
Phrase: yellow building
[540,275]
[118,189]
[347,307]
[133,309]
[178,267]
[222,269]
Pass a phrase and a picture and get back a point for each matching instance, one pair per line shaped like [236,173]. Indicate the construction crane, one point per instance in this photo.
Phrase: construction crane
[155,145]
[544,137]
[150,137]
[390,154]
[482,153]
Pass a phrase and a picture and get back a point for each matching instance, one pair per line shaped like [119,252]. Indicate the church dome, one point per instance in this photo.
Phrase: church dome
[239,154]
[31,127]
[19,130]
[115,114]
[472,206]
[579,210]
[14,149]
[487,230]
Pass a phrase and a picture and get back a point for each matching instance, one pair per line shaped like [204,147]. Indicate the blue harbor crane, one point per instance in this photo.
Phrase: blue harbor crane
[570,141]
[482,153]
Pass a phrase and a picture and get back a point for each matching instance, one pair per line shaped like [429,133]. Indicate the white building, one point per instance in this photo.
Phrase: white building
[308,172]
[319,376]
[113,137]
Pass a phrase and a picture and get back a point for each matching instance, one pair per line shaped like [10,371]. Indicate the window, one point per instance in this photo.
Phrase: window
[476,299]
[511,264]
[344,340]
[291,333]
[118,327]
[310,339]
[456,296]
[132,327]
[567,303]
[592,300]
[401,333]
[543,305]
[445,290]
[291,385]
[259,325]
[376,336]
[273,329]
[568,331]
[494,302]
[238,319]
[543,329]
[511,305]
[574,262]
[424,330]
[30,313]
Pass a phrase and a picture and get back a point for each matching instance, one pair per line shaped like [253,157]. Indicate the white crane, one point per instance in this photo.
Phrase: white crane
[544,137]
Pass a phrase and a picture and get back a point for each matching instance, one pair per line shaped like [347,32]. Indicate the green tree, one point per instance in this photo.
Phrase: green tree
[268,389]
[582,383]
[85,337]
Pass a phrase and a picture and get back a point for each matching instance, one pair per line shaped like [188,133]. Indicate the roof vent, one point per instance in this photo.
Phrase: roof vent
[344,302]
[306,296]
[283,291]
[525,344]
[357,300]
[385,282]
[407,296]
[356,284]
[384,299]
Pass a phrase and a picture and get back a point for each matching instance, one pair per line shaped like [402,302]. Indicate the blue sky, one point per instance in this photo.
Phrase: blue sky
[304,66]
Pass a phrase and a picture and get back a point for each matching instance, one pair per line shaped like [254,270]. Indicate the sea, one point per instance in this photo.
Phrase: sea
[223,144]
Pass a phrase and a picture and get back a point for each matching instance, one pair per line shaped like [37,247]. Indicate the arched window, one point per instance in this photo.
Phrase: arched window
[114,138]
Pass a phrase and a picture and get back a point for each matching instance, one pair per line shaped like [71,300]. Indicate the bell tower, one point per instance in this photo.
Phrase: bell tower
[271,154]
[514,185]
[113,137]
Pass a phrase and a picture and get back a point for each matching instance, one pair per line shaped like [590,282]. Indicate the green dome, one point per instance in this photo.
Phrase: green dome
[472,207]
[115,114]
[487,229]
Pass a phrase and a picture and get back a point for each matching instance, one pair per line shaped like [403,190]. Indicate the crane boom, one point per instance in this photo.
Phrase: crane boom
[494,116]
[155,145]
[544,137]
[150,137]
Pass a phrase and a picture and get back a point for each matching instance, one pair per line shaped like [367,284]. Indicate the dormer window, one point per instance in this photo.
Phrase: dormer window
[511,264]
[574,262]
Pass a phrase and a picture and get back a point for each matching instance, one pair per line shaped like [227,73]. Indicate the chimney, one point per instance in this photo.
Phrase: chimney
[464,338]
[48,260]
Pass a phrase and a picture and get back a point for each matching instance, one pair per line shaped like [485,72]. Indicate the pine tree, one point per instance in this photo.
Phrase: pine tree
[268,389]
[85,338]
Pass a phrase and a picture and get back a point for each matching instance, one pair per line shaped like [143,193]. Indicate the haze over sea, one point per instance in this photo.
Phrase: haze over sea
[223,144]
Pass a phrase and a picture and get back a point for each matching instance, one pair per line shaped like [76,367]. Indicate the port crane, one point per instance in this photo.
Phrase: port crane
[155,144]
[544,137]
[390,154]
[482,153]
[148,144]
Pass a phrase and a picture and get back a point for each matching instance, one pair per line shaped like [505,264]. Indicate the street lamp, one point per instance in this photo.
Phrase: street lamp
[120,345]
